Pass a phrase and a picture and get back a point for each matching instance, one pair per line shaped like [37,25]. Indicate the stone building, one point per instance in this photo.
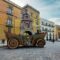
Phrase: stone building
[57,32]
[16,19]
[10,19]
[30,19]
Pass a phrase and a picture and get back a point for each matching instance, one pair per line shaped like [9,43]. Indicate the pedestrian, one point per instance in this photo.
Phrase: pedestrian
[37,32]
[53,40]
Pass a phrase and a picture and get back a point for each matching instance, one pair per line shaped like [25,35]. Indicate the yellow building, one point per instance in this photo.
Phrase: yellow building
[57,32]
[32,15]
[10,19]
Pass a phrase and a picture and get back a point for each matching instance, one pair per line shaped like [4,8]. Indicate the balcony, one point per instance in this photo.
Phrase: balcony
[9,25]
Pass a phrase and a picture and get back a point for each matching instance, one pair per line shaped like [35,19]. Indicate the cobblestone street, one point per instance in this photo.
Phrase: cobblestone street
[51,51]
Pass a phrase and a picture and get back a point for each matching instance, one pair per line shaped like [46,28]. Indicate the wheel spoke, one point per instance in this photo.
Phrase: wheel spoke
[41,43]
[12,43]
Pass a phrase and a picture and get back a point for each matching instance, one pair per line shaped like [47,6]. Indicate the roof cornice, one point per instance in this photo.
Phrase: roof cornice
[12,3]
[31,8]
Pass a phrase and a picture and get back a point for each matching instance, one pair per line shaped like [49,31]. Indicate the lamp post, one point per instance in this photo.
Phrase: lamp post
[50,36]
[53,35]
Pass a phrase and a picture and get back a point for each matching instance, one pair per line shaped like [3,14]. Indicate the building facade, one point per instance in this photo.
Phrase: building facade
[16,19]
[30,19]
[57,32]
[47,26]
[10,19]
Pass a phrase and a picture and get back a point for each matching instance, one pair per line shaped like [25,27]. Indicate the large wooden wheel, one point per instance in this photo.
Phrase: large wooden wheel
[40,43]
[12,43]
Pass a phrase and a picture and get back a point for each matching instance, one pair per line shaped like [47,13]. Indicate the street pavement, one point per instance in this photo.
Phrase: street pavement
[51,51]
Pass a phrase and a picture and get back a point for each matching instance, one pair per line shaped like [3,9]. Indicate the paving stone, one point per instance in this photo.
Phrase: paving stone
[49,52]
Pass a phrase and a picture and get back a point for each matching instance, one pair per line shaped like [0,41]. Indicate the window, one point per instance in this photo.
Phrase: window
[46,29]
[9,25]
[9,10]
[52,26]
[25,16]
[46,24]
[9,22]
[3,41]
[59,34]
[49,25]
[42,23]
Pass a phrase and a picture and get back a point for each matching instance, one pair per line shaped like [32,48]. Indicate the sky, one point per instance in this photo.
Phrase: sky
[49,9]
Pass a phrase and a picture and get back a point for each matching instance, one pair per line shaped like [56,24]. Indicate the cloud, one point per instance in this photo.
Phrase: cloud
[21,2]
[48,8]
[55,20]
[51,10]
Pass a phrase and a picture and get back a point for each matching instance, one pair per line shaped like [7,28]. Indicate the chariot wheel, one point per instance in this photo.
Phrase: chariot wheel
[13,43]
[40,43]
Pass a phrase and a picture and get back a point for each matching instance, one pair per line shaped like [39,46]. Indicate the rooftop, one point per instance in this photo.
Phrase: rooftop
[42,19]
[31,8]
[10,2]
